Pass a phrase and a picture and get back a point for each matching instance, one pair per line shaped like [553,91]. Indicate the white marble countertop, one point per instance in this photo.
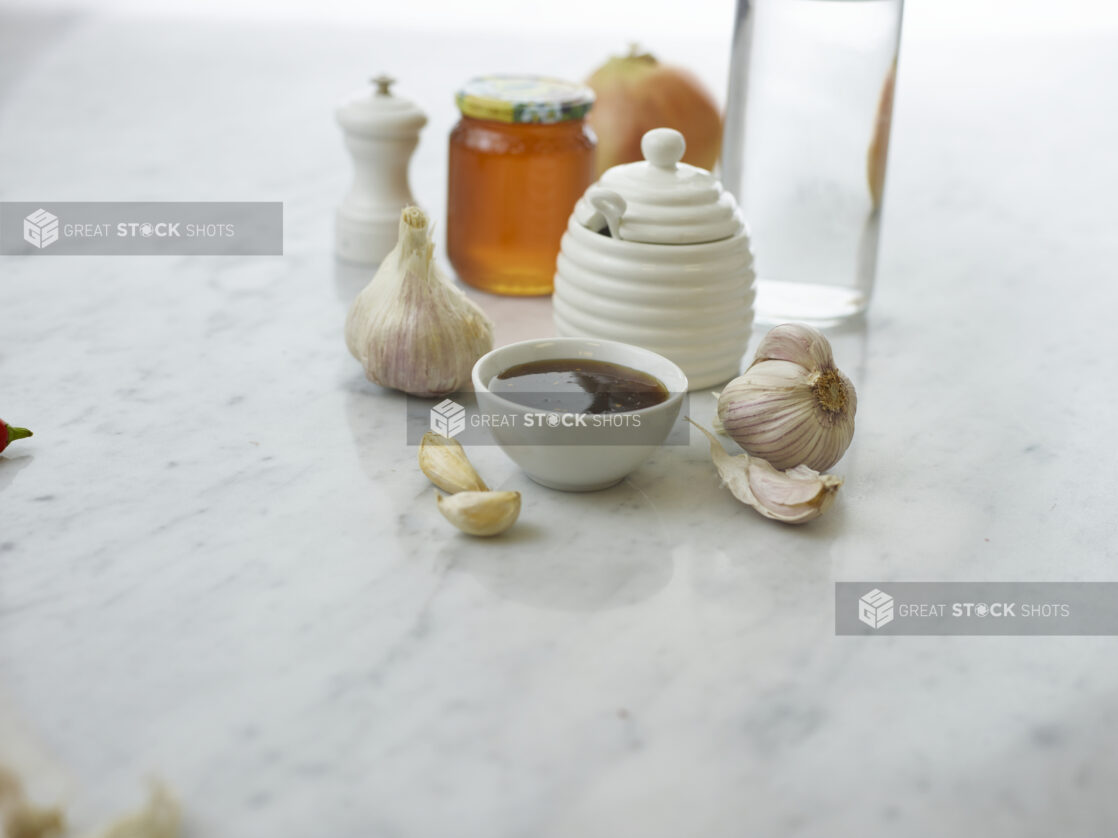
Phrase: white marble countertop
[219,563]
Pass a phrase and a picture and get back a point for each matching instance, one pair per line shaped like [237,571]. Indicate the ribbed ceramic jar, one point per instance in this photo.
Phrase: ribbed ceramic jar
[657,255]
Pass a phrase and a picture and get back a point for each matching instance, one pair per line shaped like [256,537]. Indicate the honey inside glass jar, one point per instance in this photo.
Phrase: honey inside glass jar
[520,157]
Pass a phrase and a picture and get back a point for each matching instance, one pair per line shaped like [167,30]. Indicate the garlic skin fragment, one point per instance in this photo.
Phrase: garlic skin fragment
[410,328]
[481,513]
[795,496]
[445,463]
[19,818]
[792,406]
[27,821]
[160,817]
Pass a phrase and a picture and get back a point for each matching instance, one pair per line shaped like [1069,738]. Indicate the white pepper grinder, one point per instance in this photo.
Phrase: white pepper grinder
[381,133]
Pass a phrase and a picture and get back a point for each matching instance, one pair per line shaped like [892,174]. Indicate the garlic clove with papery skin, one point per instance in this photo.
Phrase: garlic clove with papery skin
[792,406]
[797,343]
[410,328]
[444,462]
[481,513]
[795,496]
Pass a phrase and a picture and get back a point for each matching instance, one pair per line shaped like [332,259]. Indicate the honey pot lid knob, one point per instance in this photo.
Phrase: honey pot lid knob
[664,200]
[663,147]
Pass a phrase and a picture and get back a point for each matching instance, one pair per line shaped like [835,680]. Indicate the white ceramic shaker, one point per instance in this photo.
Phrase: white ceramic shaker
[656,254]
[381,132]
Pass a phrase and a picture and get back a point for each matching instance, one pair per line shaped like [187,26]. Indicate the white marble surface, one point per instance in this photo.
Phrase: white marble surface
[219,563]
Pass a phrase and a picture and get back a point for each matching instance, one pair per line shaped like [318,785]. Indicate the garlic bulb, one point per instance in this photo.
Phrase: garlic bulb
[445,463]
[792,406]
[481,513]
[410,328]
[795,496]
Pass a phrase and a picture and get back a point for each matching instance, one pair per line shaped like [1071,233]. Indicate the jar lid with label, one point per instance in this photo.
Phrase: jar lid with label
[524,99]
[660,200]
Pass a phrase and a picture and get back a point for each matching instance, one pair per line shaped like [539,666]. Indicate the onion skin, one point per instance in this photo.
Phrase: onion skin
[636,93]
[792,406]
[879,146]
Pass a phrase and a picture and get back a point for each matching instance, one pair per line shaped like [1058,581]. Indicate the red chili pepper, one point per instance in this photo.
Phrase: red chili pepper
[8,434]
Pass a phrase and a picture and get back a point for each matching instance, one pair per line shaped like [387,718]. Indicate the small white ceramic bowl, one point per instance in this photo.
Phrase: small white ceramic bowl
[585,458]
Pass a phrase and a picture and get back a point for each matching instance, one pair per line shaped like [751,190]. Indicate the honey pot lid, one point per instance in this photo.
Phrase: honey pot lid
[378,113]
[661,200]
[524,99]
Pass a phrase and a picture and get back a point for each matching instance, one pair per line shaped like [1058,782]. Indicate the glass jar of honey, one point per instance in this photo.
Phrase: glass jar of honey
[520,157]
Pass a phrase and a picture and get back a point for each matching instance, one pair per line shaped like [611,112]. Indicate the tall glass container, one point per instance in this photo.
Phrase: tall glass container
[808,114]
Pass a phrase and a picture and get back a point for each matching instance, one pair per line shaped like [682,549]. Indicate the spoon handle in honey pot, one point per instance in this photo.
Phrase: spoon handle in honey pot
[610,206]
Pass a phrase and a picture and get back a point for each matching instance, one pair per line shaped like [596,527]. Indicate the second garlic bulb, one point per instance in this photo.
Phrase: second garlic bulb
[792,406]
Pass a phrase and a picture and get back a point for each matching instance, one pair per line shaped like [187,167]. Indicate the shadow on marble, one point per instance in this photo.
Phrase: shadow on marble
[377,416]
[27,35]
[575,552]
[11,466]
[763,568]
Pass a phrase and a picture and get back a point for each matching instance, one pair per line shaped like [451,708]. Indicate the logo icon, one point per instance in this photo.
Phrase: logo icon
[40,228]
[875,609]
[448,418]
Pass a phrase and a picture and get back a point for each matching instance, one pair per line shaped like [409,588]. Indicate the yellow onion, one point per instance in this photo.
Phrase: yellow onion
[636,93]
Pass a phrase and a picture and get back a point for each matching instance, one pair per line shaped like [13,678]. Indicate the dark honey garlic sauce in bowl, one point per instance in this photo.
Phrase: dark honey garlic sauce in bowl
[577,414]
[578,385]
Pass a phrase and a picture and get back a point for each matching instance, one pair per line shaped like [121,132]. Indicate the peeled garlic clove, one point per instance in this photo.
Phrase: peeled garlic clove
[446,465]
[481,513]
[410,328]
[792,406]
[795,496]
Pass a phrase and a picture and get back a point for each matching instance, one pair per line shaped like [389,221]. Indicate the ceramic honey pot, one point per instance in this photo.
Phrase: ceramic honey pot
[656,254]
